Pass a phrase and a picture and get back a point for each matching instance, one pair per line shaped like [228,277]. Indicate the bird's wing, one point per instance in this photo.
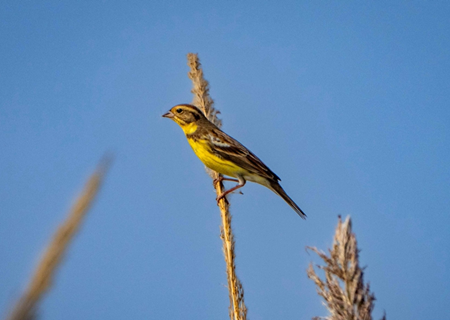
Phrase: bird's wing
[232,150]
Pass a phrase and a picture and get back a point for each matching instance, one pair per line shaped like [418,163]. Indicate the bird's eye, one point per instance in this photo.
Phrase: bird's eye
[179,110]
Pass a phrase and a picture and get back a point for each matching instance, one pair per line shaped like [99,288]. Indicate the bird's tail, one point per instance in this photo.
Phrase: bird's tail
[275,187]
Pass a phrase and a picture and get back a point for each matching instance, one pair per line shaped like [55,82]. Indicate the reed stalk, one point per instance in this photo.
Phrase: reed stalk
[41,281]
[345,294]
[200,89]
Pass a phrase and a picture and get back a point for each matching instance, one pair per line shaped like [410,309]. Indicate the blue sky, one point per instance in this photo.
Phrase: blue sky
[346,102]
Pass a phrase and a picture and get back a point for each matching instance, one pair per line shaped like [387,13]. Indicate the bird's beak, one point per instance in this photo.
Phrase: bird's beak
[169,115]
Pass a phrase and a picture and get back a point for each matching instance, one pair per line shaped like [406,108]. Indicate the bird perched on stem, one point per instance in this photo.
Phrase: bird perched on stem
[225,155]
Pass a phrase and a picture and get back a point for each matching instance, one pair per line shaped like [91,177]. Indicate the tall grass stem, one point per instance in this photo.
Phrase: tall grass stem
[202,100]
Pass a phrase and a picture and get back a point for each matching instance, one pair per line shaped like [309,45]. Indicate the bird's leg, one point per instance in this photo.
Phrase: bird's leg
[225,193]
[221,178]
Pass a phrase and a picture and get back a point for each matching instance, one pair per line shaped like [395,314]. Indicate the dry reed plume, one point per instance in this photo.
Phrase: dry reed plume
[345,294]
[200,89]
[26,307]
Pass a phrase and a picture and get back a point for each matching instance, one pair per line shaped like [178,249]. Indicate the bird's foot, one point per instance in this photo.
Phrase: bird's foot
[224,194]
[221,178]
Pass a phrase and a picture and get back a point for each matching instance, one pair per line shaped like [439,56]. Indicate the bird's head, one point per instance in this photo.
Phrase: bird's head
[186,115]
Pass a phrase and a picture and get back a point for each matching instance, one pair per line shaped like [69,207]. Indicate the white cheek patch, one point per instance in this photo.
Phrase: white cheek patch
[218,142]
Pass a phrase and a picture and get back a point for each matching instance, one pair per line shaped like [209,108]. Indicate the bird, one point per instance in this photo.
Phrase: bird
[224,154]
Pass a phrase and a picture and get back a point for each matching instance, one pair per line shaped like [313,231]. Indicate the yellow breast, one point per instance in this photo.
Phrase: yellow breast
[203,151]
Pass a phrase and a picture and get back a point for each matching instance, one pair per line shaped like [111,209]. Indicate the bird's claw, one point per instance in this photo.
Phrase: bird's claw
[221,178]
[224,194]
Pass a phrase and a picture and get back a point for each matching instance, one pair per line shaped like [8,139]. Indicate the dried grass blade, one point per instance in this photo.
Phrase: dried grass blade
[41,281]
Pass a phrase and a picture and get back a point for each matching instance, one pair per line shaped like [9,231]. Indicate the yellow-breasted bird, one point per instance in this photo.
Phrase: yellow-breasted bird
[223,154]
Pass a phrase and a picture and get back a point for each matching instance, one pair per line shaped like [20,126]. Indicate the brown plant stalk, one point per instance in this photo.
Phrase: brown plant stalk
[346,295]
[200,89]
[41,281]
